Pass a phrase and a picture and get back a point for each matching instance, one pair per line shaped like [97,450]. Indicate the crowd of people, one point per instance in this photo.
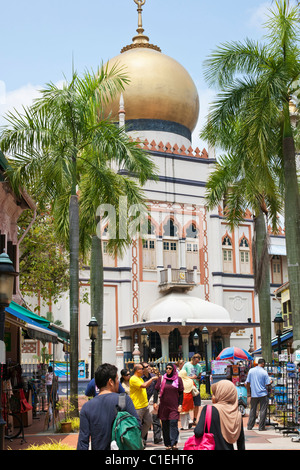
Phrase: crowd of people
[159,401]
[162,401]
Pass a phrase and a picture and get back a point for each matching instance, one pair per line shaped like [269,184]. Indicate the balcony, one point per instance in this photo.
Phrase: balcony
[174,279]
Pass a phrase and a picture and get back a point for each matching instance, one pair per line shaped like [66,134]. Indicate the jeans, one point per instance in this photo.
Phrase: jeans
[263,403]
[170,432]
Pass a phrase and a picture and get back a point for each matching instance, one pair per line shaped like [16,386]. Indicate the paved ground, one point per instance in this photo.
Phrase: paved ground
[255,440]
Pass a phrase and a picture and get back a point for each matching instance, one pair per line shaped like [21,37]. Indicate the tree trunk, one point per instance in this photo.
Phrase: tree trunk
[97,294]
[262,283]
[292,232]
[74,300]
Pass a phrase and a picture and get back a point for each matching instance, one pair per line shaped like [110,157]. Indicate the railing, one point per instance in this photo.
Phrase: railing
[178,277]
[161,363]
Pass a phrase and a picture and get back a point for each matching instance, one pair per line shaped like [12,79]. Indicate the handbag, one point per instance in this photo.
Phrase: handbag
[25,406]
[205,442]
[195,391]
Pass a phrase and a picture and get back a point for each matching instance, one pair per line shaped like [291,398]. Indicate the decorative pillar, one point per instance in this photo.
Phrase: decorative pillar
[119,355]
[159,257]
[121,111]
[226,341]
[185,347]
[136,354]
[209,348]
[182,254]
[169,274]
[165,346]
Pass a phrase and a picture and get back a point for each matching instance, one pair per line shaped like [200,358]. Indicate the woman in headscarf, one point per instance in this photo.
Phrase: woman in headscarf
[226,421]
[188,402]
[169,389]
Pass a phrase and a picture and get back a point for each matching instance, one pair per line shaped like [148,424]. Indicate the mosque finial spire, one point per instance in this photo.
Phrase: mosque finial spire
[140,3]
[140,40]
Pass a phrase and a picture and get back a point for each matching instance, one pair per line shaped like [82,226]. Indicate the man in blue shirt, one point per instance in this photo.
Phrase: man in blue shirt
[97,415]
[257,382]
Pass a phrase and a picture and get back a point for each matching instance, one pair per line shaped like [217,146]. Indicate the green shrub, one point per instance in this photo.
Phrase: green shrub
[51,446]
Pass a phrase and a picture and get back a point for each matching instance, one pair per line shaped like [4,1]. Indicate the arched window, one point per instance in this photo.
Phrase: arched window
[175,344]
[192,231]
[244,256]
[149,248]
[170,229]
[170,244]
[154,345]
[227,254]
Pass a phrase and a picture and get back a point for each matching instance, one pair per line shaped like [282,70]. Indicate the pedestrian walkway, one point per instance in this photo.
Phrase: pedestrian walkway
[255,440]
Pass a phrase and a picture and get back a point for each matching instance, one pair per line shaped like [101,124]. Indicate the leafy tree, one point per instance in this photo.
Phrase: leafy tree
[44,266]
[244,186]
[256,83]
[63,150]
[46,141]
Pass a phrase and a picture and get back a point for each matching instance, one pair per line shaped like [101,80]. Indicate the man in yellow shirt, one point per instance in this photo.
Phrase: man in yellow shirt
[138,394]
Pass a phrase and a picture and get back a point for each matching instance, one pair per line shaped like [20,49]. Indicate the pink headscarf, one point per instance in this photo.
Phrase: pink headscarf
[173,377]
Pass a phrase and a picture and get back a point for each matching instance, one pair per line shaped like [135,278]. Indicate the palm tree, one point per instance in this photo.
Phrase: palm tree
[92,228]
[46,142]
[108,187]
[256,83]
[245,186]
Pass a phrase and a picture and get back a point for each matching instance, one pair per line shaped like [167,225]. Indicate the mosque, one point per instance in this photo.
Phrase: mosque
[190,270]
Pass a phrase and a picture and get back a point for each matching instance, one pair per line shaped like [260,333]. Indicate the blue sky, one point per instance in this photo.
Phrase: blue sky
[41,38]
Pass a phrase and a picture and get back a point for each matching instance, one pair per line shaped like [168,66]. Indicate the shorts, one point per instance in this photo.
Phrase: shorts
[197,400]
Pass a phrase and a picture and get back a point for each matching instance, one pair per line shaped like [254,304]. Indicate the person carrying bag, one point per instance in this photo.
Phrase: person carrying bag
[226,419]
[206,441]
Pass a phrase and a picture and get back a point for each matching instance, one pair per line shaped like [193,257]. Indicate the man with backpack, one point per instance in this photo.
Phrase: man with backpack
[97,416]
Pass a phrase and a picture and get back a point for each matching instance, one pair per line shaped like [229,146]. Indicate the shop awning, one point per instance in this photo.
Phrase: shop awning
[63,335]
[36,326]
[274,342]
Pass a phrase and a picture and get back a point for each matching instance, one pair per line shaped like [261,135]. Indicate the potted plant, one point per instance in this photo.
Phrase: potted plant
[66,423]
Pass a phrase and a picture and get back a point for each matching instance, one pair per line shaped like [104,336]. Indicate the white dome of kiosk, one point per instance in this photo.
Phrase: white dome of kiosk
[184,308]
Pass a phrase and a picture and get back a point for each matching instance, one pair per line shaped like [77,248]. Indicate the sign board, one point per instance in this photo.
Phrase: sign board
[219,367]
[62,369]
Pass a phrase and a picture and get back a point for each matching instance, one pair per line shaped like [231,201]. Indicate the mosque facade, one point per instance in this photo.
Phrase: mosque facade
[189,271]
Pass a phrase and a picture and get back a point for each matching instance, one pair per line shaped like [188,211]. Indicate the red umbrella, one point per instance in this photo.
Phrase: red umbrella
[234,354]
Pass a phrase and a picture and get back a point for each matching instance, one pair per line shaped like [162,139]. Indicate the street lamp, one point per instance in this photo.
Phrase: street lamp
[93,333]
[205,337]
[145,342]
[7,279]
[196,341]
[278,326]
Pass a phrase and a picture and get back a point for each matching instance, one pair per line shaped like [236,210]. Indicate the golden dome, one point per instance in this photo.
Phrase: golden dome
[161,94]
[159,89]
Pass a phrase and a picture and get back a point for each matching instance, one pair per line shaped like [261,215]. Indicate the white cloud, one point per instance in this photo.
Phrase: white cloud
[259,15]
[16,99]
